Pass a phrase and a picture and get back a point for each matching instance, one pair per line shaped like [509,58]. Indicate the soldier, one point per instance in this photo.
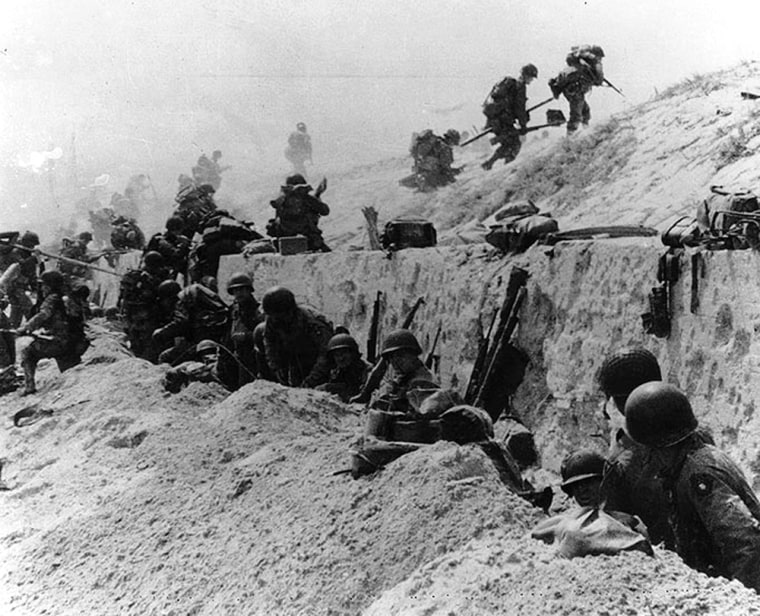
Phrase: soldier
[298,212]
[348,371]
[504,106]
[172,245]
[401,349]
[631,482]
[199,314]
[58,341]
[202,368]
[299,149]
[583,70]
[139,301]
[244,317]
[714,513]
[433,158]
[74,275]
[22,277]
[195,204]
[295,340]
[100,221]
[126,235]
[209,171]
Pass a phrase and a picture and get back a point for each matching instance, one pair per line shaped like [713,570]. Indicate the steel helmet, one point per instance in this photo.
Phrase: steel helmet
[342,341]
[30,239]
[529,70]
[625,370]
[301,126]
[400,339]
[278,300]
[175,224]
[52,278]
[295,180]
[452,136]
[153,259]
[85,236]
[205,346]
[658,415]
[168,288]
[580,466]
[239,279]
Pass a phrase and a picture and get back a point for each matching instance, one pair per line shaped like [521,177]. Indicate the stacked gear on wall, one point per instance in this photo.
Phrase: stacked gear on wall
[519,227]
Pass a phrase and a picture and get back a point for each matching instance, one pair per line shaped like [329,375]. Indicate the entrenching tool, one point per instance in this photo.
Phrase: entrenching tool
[554,117]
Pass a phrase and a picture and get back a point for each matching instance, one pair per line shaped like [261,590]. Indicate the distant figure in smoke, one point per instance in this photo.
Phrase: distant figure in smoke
[299,149]
[208,170]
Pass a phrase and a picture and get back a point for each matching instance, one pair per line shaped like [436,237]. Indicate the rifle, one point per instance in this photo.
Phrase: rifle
[609,83]
[430,357]
[64,259]
[541,104]
[480,360]
[34,335]
[373,329]
[556,122]
[378,372]
[507,321]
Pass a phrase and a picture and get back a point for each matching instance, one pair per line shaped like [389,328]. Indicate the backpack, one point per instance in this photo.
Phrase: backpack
[402,233]
[222,226]
[723,209]
[516,234]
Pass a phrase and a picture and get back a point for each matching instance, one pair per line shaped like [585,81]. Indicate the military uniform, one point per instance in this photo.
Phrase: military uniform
[392,393]
[632,484]
[199,314]
[347,382]
[52,318]
[583,71]
[244,317]
[298,213]
[142,313]
[126,235]
[23,281]
[298,355]
[173,247]
[504,107]
[715,515]
[299,150]
[432,161]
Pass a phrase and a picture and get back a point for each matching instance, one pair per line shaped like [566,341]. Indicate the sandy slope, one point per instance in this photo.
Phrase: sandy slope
[128,501]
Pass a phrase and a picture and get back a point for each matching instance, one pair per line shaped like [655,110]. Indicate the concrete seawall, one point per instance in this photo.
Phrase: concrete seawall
[584,300]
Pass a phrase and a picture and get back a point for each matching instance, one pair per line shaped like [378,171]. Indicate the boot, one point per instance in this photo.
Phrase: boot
[29,384]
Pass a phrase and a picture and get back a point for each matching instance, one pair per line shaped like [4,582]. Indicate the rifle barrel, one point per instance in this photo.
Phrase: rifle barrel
[67,260]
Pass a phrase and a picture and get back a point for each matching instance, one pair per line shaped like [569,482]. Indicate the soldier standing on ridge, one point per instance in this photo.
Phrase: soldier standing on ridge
[504,106]
[583,71]
[295,340]
[299,149]
[714,513]
[298,212]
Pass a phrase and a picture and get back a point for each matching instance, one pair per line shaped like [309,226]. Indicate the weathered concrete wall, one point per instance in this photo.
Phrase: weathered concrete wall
[584,300]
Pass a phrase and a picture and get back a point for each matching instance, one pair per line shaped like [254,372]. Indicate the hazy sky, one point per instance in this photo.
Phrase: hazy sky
[149,84]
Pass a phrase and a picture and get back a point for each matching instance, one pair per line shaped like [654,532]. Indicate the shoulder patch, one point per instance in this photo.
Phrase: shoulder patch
[701,484]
